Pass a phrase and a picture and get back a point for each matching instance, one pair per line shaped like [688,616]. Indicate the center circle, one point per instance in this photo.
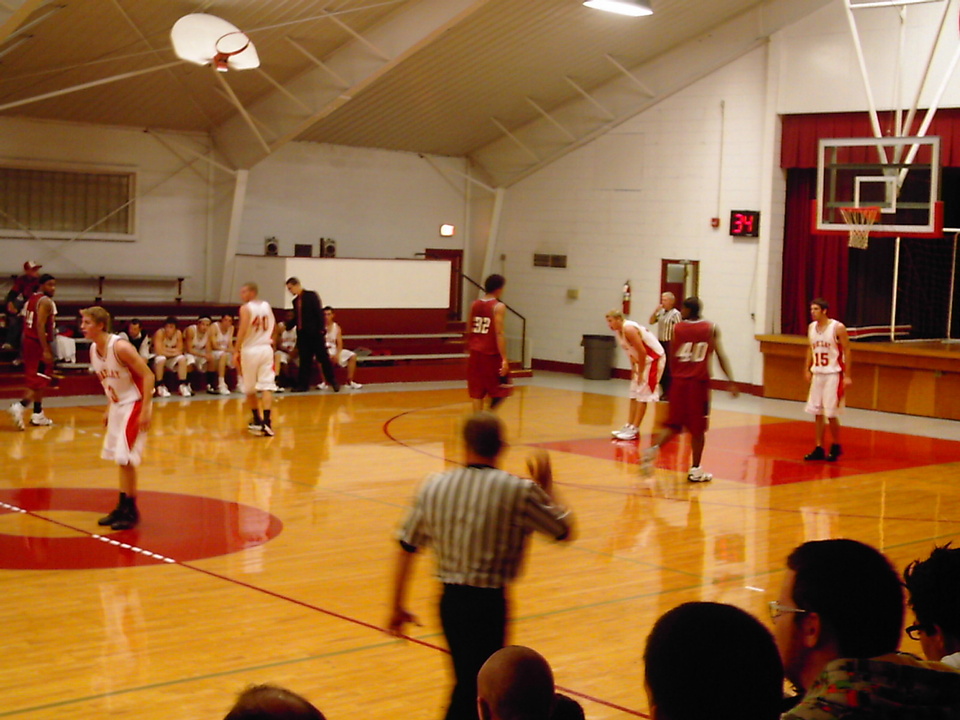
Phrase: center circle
[59,529]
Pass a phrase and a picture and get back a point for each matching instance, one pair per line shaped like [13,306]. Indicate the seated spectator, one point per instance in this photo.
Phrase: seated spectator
[744,680]
[196,340]
[515,683]
[933,587]
[270,702]
[566,708]
[168,349]
[837,623]
[221,349]
[285,355]
[135,336]
[338,356]
[23,287]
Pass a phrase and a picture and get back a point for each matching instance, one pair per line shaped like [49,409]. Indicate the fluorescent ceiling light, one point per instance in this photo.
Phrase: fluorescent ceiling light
[886,3]
[633,8]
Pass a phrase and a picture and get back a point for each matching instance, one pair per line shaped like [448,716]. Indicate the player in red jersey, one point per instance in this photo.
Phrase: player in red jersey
[695,340]
[488,372]
[37,352]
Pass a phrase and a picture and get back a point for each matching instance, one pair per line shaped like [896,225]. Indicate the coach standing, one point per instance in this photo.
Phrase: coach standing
[478,518]
[311,336]
[665,316]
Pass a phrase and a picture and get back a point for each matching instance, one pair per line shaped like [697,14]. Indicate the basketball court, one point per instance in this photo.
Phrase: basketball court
[270,560]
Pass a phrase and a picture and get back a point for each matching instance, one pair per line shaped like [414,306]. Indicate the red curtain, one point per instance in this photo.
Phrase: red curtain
[813,265]
[801,133]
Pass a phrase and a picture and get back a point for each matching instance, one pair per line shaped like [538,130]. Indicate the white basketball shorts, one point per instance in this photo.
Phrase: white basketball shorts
[826,395]
[124,441]
[256,363]
[344,358]
[645,386]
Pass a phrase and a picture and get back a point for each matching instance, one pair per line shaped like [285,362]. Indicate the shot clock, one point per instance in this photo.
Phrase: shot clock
[745,223]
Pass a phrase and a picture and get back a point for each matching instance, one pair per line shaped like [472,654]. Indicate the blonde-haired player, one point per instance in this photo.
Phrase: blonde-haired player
[128,384]
[254,356]
[647,361]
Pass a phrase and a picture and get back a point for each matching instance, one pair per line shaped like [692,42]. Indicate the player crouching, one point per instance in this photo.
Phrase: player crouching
[128,384]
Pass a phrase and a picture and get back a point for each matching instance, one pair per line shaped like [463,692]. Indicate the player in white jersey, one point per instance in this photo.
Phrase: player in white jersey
[168,349]
[220,342]
[647,361]
[254,356]
[827,370]
[128,384]
[338,354]
[196,340]
[285,342]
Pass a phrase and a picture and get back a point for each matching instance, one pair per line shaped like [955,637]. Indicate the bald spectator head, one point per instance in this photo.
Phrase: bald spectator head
[515,683]
[269,702]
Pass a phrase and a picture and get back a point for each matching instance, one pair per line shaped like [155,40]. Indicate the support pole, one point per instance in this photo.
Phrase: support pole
[953,279]
[227,281]
[896,280]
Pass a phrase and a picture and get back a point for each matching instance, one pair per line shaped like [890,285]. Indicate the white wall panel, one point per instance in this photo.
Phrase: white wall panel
[618,223]
[171,210]
[374,203]
[819,69]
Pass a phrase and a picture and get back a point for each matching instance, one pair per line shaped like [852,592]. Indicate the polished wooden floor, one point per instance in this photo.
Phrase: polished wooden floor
[269,560]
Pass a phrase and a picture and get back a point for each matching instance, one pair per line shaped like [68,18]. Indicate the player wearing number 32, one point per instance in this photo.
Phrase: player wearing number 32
[695,340]
[488,370]
[828,372]
[128,383]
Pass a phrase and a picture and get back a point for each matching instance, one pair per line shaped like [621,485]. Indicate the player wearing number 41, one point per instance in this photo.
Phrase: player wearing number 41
[488,371]
[646,368]
[695,340]
[128,384]
[254,357]
[827,370]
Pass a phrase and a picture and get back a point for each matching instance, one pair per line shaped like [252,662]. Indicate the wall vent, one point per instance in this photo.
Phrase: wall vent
[545,260]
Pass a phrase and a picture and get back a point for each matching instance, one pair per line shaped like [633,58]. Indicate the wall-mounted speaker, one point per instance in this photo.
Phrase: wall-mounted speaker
[328,247]
[271,246]
[303,250]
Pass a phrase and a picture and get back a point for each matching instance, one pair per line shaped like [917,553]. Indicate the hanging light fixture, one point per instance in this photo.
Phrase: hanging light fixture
[633,8]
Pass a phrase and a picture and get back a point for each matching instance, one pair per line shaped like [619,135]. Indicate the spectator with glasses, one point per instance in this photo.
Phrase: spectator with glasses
[933,586]
[837,623]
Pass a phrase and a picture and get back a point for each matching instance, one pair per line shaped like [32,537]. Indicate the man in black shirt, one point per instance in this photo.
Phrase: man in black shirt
[311,336]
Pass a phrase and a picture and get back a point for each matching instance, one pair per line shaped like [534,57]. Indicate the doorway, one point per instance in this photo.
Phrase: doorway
[681,277]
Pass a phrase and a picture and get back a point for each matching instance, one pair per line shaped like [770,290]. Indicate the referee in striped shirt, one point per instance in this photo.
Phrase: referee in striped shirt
[666,316]
[477,518]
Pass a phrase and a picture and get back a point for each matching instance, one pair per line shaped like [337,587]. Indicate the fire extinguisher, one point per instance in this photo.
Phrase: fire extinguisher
[626,298]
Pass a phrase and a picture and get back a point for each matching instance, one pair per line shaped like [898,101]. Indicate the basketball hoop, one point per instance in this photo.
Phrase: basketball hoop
[227,46]
[859,221]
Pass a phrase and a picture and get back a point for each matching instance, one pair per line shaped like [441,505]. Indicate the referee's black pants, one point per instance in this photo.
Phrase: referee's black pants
[666,378]
[475,623]
[308,348]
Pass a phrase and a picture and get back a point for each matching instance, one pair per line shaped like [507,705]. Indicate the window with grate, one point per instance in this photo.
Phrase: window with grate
[67,203]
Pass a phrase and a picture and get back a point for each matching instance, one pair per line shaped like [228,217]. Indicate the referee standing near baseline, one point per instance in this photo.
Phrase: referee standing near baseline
[666,316]
[477,518]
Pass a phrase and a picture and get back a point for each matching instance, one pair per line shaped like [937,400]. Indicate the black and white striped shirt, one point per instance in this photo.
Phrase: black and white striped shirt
[666,319]
[478,518]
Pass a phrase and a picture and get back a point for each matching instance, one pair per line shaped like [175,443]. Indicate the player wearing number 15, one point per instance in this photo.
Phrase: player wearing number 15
[488,371]
[254,357]
[128,383]
[828,371]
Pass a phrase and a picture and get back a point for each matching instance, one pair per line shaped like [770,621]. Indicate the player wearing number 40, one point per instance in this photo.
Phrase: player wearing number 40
[695,340]
[128,383]
[488,371]
[827,369]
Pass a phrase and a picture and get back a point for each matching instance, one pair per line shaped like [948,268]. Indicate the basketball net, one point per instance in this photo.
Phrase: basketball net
[227,46]
[859,221]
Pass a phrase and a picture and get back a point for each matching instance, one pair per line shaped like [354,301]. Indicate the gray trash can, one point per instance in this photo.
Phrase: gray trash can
[598,356]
